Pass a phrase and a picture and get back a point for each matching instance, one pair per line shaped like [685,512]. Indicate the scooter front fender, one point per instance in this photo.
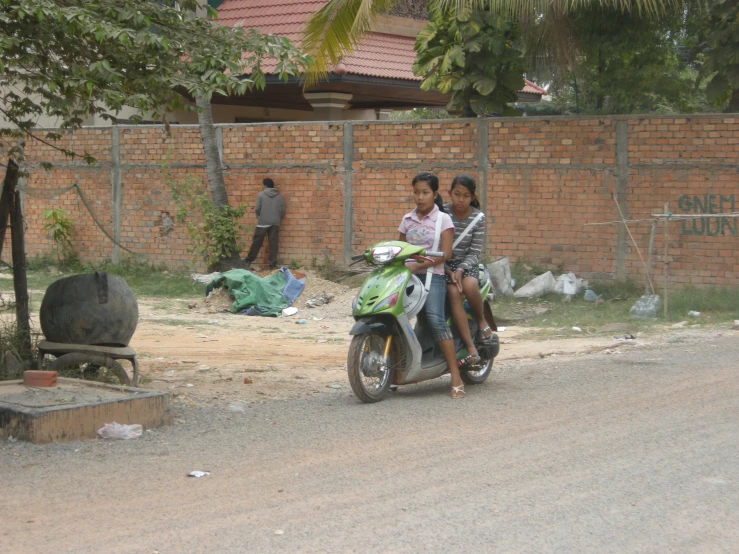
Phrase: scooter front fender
[378,323]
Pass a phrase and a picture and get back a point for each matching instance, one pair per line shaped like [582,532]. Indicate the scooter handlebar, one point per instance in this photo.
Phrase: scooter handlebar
[434,254]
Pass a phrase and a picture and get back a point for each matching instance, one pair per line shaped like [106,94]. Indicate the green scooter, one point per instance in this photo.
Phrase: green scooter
[385,350]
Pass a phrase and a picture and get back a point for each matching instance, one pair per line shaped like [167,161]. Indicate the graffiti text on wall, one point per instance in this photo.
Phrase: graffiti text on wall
[708,204]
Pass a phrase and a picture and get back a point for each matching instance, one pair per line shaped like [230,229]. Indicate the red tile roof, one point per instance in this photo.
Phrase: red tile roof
[378,55]
[532,88]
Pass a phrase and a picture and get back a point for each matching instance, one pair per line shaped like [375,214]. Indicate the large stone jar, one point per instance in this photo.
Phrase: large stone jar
[97,309]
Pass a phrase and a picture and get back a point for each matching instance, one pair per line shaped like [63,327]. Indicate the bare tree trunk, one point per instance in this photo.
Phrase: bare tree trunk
[214,170]
[216,183]
[20,280]
[467,110]
[6,199]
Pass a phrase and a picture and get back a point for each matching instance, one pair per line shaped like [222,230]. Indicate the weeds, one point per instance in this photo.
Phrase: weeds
[91,372]
[59,227]
[215,232]
[523,271]
[11,348]
[329,269]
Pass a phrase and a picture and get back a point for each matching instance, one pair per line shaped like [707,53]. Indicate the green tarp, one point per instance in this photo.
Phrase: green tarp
[250,290]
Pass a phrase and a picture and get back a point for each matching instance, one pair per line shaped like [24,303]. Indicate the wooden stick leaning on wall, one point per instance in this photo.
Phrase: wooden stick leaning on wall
[649,256]
[638,251]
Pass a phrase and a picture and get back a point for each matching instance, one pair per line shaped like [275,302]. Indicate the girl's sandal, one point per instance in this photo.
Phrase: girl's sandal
[458,392]
[469,361]
[483,334]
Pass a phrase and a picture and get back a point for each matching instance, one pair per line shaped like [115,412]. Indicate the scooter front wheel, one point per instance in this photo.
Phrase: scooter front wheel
[371,364]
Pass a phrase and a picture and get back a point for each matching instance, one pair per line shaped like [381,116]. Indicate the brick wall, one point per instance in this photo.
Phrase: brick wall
[543,182]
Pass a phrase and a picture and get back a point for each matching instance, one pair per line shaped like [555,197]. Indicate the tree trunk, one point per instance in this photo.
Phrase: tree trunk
[20,281]
[216,183]
[734,102]
[6,199]
[467,110]
[214,170]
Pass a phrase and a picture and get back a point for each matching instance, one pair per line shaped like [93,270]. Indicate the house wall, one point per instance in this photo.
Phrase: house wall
[545,181]
[229,114]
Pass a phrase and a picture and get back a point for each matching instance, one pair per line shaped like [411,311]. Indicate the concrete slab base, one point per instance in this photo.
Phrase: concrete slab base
[75,409]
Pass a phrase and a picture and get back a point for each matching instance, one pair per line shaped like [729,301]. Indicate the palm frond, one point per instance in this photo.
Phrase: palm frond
[516,9]
[335,30]
[549,46]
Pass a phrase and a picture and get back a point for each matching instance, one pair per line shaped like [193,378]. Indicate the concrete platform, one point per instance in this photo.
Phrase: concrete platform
[75,409]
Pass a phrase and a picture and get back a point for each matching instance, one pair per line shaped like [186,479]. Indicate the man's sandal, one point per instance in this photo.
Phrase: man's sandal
[458,392]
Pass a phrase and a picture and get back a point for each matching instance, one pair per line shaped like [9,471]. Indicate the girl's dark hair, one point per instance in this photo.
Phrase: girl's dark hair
[469,183]
[433,182]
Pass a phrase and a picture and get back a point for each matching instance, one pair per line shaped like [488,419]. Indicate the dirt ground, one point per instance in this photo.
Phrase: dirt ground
[204,356]
[207,356]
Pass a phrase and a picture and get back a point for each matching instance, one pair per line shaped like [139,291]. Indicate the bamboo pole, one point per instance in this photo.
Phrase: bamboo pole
[667,261]
[649,257]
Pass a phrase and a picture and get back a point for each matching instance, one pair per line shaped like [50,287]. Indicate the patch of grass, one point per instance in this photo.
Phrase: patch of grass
[610,290]
[713,303]
[589,316]
[145,279]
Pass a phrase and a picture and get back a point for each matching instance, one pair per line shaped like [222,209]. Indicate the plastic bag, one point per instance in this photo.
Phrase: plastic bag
[539,286]
[500,275]
[120,431]
[646,307]
[567,284]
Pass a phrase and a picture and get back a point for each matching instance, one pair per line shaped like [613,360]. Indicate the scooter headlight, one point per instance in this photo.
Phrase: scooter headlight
[383,254]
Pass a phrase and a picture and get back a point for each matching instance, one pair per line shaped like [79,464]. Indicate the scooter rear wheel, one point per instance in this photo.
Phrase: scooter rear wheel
[369,376]
[478,376]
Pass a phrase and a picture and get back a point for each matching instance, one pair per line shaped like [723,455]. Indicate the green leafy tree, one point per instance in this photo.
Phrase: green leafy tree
[721,56]
[473,57]
[72,59]
[626,64]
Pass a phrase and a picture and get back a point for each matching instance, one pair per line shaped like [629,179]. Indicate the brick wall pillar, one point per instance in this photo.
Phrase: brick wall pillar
[116,187]
[348,154]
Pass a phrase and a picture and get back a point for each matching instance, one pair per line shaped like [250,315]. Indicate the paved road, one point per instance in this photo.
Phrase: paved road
[637,452]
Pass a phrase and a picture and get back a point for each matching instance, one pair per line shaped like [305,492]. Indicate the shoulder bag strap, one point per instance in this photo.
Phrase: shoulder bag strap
[469,228]
[435,247]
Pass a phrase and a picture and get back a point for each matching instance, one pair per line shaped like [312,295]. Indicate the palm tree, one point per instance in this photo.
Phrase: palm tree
[338,27]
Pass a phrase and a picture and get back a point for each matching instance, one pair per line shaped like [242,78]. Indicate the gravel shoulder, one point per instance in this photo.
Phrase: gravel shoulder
[632,451]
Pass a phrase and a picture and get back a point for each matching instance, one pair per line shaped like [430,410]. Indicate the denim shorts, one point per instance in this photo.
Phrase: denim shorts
[434,311]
